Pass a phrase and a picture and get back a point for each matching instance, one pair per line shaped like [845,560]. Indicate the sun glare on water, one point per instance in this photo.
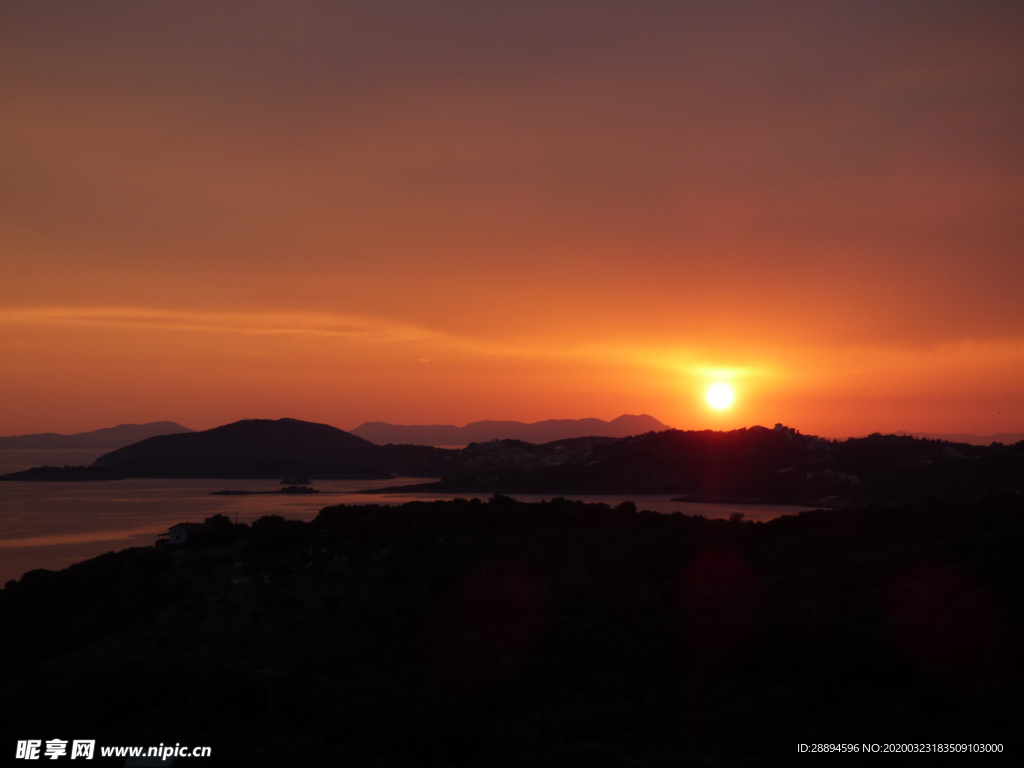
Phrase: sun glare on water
[719,396]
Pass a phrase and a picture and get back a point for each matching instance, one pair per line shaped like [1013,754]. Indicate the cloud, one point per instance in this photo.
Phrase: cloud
[319,324]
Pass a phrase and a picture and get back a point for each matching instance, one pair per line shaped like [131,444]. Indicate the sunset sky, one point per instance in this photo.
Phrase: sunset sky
[438,212]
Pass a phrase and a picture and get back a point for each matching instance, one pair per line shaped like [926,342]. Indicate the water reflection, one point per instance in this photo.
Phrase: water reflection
[51,525]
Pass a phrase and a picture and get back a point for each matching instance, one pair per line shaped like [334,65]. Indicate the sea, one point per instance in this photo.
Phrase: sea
[52,525]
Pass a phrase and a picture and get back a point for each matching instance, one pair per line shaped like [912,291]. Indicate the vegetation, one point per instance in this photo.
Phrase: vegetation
[508,634]
[777,465]
[757,464]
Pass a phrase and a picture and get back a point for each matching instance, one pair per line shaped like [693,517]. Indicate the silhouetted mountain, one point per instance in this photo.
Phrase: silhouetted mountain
[758,464]
[109,437]
[777,465]
[268,448]
[1006,438]
[382,433]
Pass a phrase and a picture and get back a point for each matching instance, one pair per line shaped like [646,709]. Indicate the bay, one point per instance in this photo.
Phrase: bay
[52,525]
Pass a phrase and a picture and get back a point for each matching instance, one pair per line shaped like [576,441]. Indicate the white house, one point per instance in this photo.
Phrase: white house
[178,534]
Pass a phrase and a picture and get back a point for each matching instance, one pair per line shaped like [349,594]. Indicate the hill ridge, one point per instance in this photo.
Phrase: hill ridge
[545,431]
[266,447]
[114,437]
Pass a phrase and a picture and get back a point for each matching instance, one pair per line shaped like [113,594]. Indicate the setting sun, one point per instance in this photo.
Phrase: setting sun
[719,396]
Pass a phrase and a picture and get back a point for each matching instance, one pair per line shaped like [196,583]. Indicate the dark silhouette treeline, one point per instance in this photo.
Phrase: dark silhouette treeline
[777,465]
[755,464]
[499,633]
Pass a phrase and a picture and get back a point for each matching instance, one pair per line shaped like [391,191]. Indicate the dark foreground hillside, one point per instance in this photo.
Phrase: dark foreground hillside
[508,634]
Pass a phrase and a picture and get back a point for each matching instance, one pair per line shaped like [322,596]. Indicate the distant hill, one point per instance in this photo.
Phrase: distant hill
[269,448]
[382,433]
[1006,438]
[110,437]
[755,464]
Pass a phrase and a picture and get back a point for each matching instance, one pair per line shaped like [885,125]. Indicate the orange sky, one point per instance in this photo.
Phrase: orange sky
[443,212]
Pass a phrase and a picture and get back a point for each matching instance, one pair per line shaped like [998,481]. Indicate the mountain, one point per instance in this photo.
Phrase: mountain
[382,433]
[268,448]
[1006,438]
[110,437]
[754,464]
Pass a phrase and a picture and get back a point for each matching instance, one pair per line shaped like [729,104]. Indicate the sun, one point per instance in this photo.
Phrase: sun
[719,396]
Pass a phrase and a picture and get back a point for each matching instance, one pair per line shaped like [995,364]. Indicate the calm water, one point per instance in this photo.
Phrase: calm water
[52,525]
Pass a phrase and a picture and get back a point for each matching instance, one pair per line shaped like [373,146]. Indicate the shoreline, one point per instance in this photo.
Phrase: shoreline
[682,499]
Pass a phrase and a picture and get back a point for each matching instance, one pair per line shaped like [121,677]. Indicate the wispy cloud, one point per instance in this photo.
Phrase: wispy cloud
[696,361]
[319,324]
[372,331]
[325,325]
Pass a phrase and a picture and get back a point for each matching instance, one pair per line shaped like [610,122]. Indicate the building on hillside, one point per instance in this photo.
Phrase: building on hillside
[179,533]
